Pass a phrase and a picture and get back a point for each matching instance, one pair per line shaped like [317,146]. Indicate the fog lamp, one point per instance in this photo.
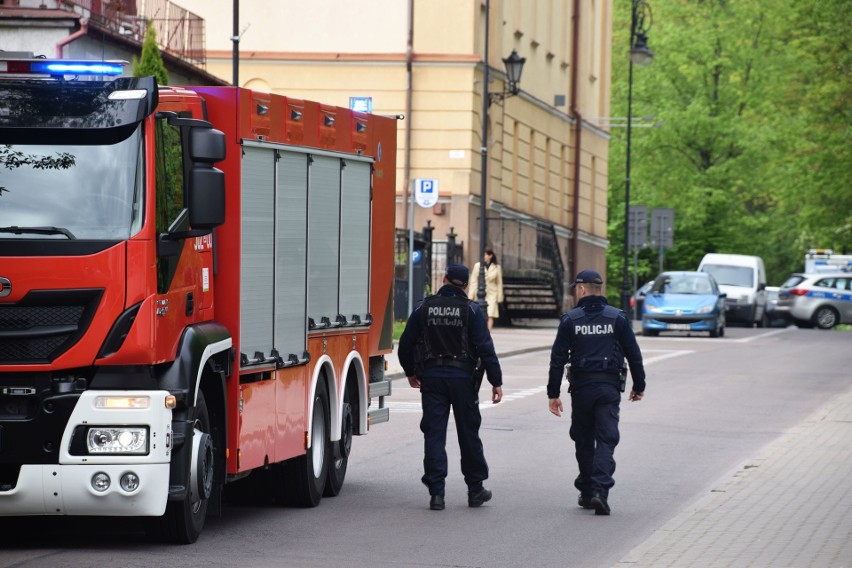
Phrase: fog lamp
[100,482]
[129,482]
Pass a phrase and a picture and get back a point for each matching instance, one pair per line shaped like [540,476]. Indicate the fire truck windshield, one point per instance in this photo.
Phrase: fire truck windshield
[69,191]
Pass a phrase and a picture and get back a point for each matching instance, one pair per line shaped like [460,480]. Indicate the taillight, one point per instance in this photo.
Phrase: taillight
[797,292]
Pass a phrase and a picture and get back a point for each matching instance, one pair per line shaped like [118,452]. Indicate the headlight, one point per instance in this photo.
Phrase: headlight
[652,308]
[117,440]
[744,300]
[705,309]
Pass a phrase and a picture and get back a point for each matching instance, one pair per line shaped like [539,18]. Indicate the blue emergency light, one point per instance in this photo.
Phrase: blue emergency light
[76,67]
[59,67]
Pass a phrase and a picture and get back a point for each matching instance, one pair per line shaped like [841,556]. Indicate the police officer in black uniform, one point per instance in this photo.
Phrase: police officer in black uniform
[443,339]
[594,338]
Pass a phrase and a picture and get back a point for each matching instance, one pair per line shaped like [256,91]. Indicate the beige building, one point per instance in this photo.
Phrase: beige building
[547,160]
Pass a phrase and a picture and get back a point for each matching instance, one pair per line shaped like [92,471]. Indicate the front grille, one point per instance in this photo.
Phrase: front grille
[17,318]
[689,320]
[44,324]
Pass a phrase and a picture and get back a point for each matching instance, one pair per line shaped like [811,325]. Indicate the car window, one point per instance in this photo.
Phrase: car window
[731,275]
[825,282]
[792,281]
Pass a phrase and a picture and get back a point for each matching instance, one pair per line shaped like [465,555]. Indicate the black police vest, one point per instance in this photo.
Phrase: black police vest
[444,325]
[594,348]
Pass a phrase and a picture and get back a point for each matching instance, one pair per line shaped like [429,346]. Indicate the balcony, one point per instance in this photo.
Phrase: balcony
[179,32]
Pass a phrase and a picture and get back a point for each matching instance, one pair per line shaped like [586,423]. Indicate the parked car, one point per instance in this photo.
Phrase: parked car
[684,301]
[638,298]
[773,318]
[823,299]
[743,279]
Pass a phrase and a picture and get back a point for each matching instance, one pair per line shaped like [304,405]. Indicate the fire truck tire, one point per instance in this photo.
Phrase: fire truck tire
[184,520]
[339,452]
[303,478]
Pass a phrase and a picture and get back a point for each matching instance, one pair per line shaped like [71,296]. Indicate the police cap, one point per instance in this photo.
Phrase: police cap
[458,274]
[586,277]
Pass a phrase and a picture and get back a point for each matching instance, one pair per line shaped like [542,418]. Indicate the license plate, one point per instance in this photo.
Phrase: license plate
[678,326]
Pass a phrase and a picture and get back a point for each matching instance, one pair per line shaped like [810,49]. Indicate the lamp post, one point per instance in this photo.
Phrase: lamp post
[640,23]
[514,67]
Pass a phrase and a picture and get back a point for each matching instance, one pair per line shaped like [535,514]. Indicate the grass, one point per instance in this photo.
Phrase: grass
[398,328]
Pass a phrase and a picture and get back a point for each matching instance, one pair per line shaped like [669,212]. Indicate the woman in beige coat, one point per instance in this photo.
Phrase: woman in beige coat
[493,285]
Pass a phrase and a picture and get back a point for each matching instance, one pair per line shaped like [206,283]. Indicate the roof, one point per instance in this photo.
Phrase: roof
[16,12]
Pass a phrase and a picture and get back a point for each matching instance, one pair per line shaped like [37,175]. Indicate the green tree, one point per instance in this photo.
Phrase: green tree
[151,62]
[754,99]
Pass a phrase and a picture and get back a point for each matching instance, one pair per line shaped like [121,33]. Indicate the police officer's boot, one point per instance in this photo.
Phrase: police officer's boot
[600,505]
[478,497]
[436,503]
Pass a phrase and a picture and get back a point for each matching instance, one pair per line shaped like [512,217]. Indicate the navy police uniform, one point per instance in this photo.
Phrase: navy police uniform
[594,338]
[444,337]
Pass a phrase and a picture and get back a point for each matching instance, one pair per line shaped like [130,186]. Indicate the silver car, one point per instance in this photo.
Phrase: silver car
[823,300]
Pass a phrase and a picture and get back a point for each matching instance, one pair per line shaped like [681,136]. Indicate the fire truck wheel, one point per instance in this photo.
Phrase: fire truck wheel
[340,452]
[302,480]
[184,520]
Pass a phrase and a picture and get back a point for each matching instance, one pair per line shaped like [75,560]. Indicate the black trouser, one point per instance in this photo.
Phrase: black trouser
[438,394]
[594,429]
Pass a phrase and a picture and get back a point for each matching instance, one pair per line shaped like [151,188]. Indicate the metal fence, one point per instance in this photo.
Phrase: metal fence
[431,260]
[179,31]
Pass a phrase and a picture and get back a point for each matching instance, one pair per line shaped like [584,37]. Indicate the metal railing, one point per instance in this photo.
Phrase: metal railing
[179,31]
[528,249]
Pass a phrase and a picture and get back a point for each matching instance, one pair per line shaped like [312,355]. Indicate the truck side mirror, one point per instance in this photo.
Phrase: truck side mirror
[206,188]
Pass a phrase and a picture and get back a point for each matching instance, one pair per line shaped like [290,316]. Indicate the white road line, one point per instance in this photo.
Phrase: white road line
[668,354]
[509,395]
[679,338]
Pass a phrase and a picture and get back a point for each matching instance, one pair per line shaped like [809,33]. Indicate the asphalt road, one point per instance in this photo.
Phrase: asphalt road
[711,405]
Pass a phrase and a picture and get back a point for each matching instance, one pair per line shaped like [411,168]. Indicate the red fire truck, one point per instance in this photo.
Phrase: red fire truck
[195,287]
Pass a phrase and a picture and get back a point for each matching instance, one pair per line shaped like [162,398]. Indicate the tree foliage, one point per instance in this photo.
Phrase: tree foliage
[752,153]
[12,159]
[150,64]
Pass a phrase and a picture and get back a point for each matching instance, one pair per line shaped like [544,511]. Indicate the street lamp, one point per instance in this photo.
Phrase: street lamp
[640,23]
[514,67]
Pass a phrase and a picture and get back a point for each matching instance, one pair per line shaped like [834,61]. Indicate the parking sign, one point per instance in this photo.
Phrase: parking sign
[426,192]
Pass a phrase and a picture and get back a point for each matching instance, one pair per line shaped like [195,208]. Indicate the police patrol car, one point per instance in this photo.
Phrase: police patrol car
[823,300]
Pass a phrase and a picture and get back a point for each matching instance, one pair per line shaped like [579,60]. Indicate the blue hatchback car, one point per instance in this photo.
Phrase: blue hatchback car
[684,301]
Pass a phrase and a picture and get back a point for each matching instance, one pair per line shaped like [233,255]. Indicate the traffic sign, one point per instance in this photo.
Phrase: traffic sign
[662,227]
[426,192]
[637,227]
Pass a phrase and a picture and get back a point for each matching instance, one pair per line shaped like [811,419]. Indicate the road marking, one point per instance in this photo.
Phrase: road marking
[509,395]
[666,354]
[680,338]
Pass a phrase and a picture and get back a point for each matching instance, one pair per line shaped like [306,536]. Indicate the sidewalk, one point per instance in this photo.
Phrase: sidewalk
[791,506]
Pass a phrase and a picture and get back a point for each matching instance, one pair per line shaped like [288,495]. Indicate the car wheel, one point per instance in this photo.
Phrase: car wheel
[650,332]
[825,317]
[715,331]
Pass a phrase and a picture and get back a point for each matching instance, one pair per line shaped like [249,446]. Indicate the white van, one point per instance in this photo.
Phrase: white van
[743,279]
